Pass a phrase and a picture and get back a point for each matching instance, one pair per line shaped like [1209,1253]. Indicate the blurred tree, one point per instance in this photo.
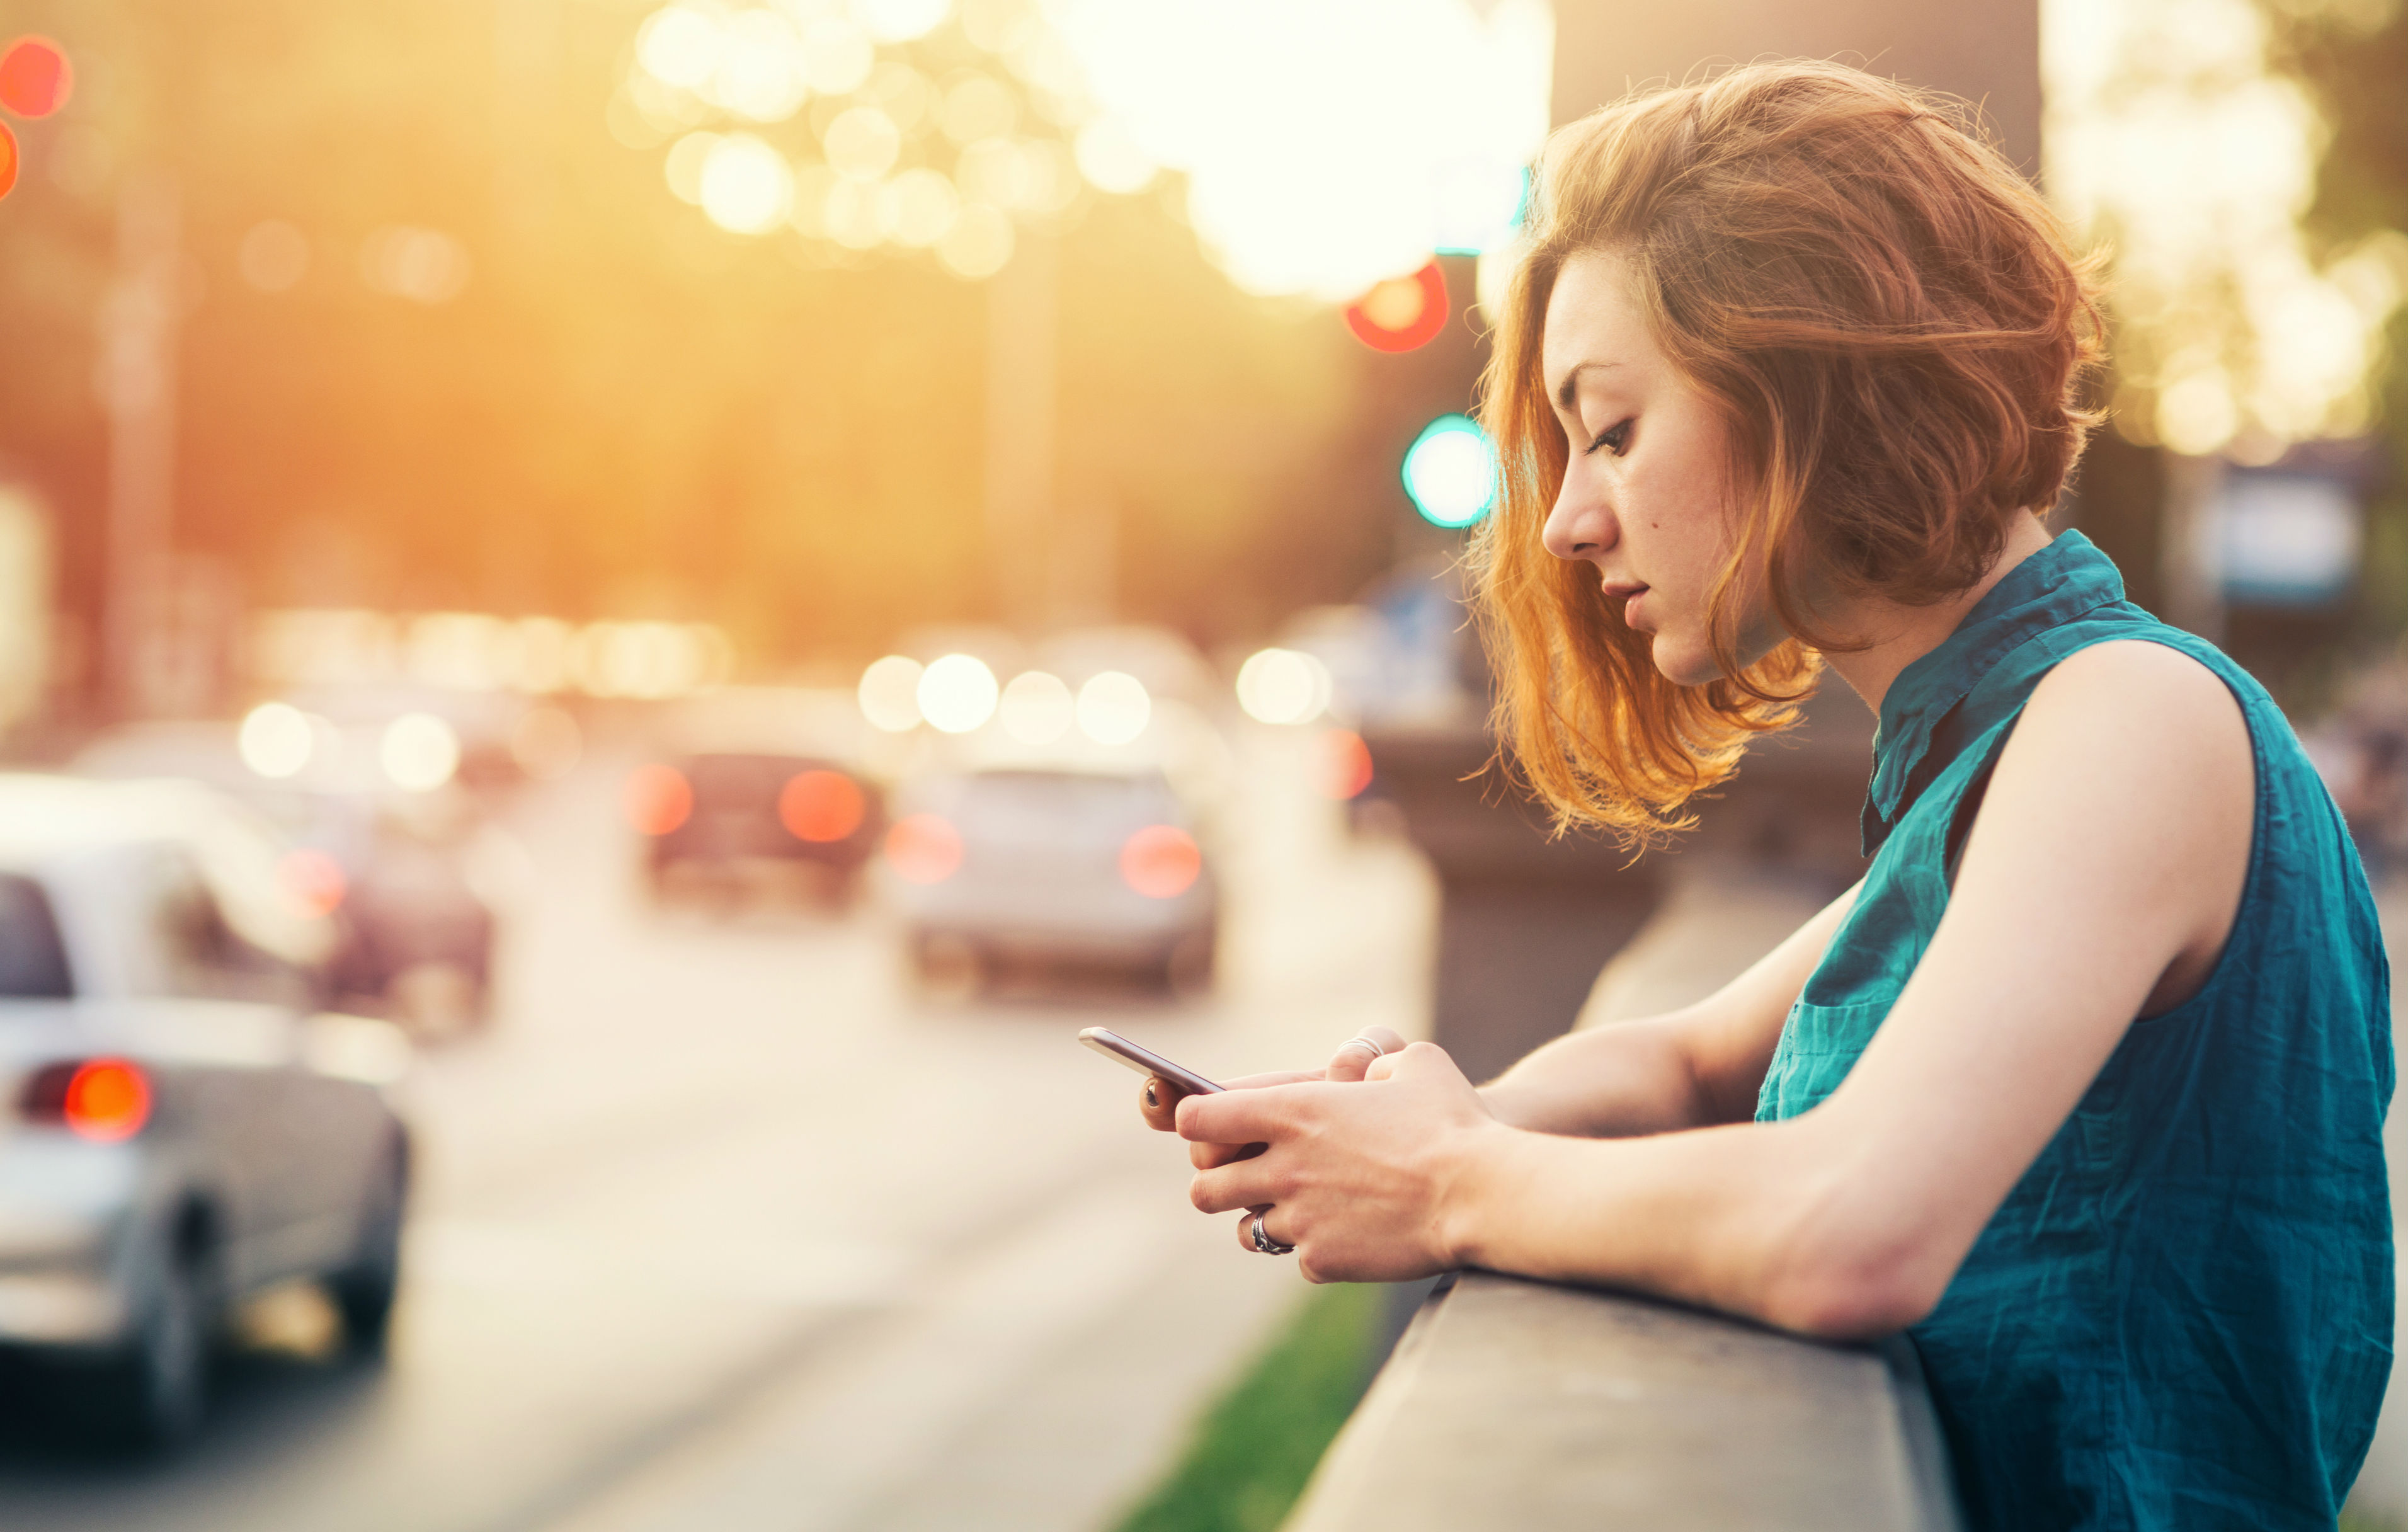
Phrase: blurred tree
[2351,55]
[448,343]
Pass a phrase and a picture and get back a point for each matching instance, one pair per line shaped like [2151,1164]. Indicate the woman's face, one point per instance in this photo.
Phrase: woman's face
[1646,498]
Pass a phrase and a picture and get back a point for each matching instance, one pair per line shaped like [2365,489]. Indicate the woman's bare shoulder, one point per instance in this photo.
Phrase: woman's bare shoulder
[2129,782]
[2149,692]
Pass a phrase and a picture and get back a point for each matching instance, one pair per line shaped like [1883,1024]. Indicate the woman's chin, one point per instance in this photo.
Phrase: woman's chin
[1684,664]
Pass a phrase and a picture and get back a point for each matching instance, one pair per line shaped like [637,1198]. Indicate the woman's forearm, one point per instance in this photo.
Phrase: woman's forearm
[1613,1081]
[1756,1219]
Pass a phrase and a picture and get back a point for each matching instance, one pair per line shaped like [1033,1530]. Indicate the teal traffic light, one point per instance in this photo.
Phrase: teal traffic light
[1450,472]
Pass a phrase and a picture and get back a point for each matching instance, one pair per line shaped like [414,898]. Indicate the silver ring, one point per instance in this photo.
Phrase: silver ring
[1372,1043]
[1263,1241]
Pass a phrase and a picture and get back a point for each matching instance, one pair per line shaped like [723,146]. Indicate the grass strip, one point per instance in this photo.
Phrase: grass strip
[1257,1445]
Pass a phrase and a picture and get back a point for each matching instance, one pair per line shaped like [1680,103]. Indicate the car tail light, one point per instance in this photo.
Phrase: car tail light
[657,799]
[1342,764]
[923,849]
[312,879]
[821,806]
[1161,861]
[106,1100]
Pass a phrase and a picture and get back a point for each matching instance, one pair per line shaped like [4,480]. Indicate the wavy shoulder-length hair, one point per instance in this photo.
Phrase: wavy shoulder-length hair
[1894,330]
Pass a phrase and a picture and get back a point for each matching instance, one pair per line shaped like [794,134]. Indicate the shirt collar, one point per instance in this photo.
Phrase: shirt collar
[2052,587]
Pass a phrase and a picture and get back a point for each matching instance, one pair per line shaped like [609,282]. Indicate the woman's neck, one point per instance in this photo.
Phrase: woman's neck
[1902,635]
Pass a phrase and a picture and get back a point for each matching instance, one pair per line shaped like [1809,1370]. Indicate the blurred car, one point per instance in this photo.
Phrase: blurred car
[416,935]
[176,1130]
[727,821]
[1023,865]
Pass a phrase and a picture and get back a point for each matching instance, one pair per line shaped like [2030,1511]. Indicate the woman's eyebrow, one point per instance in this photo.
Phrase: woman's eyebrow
[1570,386]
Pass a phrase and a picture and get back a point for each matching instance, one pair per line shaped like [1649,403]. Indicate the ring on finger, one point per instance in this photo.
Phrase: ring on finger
[1360,1041]
[1263,1241]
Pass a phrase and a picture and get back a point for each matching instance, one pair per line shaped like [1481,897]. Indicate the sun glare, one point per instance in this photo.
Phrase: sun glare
[1374,136]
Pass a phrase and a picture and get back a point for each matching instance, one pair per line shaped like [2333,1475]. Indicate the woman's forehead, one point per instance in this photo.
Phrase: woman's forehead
[1594,319]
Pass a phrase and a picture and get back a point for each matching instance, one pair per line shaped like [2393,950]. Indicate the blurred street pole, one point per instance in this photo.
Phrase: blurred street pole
[1021,365]
[2190,568]
[527,48]
[137,382]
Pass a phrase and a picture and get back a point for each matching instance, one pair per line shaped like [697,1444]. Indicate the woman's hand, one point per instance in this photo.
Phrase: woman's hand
[1359,1180]
[1158,1099]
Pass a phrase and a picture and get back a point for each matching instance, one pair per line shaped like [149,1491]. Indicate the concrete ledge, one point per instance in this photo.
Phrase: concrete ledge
[1521,1405]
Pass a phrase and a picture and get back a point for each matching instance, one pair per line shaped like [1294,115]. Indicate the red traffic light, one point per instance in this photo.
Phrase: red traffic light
[8,159]
[36,78]
[1402,313]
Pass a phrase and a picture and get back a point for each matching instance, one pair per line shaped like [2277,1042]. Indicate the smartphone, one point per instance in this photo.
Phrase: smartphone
[1145,1062]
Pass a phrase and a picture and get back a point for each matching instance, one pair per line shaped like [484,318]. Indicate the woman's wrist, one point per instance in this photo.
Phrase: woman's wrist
[1473,1187]
[1509,1102]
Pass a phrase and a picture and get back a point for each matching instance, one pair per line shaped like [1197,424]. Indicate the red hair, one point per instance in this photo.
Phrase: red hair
[1894,328]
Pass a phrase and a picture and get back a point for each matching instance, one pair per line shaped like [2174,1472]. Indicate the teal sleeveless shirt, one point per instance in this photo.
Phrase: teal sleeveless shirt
[2181,1316]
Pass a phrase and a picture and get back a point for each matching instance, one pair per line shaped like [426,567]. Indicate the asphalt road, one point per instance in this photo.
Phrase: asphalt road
[723,1227]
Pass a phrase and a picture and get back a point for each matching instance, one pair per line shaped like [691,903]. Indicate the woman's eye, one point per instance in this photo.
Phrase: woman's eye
[1615,437]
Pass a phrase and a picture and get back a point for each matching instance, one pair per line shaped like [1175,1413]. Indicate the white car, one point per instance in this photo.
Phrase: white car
[1028,865]
[178,1130]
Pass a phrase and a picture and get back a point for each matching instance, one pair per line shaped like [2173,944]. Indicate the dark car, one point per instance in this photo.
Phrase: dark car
[737,824]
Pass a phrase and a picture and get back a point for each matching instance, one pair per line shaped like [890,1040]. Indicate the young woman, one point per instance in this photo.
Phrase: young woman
[2083,1085]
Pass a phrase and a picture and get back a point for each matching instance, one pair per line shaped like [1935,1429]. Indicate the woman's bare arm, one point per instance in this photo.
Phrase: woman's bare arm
[1686,1069]
[2102,876]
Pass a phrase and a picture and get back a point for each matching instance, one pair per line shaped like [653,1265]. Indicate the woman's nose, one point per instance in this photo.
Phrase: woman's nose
[1580,526]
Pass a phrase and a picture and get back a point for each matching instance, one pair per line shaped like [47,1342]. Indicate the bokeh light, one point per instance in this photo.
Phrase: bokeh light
[1283,686]
[1161,861]
[862,142]
[980,243]
[1113,707]
[7,160]
[275,739]
[656,800]
[107,1100]
[1038,708]
[977,107]
[679,46]
[682,165]
[760,68]
[889,694]
[312,881]
[901,21]
[36,78]
[424,266]
[647,660]
[821,806]
[1110,158]
[917,208]
[418,753]
[1450,472]
[1341,764]
[746,186]
[1402,313]
[958,694]
[836,55]
[923,849]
